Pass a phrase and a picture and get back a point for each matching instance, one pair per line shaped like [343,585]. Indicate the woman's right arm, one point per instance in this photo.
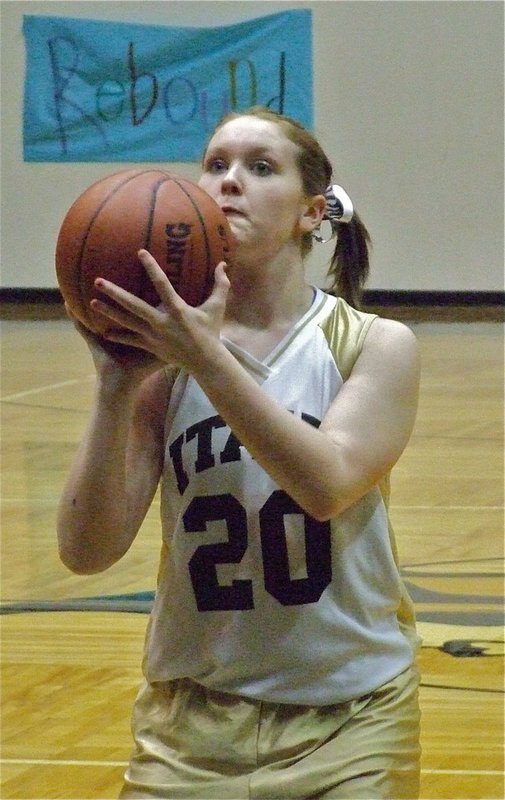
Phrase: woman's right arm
[116,470]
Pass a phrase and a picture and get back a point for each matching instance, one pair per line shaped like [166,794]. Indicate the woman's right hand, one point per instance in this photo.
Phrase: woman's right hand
[132,363]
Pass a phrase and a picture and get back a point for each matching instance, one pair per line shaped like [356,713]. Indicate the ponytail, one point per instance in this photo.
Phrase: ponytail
[349,266]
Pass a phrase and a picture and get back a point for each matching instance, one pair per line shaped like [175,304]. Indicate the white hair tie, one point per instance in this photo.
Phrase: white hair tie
[339,208]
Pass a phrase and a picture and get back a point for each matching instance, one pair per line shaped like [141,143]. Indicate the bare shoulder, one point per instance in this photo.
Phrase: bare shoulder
[389,361]
[391,331]
[393,342]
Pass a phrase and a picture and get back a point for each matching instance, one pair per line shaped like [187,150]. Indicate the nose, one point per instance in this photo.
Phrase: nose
[231,180]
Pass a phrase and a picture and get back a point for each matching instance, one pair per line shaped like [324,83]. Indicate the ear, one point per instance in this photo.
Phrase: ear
[312,213]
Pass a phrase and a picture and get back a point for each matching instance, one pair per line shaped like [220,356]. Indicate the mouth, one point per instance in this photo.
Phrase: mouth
[230,211]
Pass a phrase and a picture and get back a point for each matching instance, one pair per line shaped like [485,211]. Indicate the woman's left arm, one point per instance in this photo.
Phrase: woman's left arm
[371,419]
[363,434]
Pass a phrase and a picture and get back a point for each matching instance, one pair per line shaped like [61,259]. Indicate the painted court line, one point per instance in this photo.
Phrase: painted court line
[77,763]
[444,508]
[65,763]
[461,772]
[156,502]
[39,389]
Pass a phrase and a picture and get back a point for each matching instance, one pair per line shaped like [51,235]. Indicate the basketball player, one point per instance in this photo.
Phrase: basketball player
[280,654]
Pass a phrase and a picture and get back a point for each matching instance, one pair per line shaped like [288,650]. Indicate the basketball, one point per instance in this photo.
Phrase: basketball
[171,217]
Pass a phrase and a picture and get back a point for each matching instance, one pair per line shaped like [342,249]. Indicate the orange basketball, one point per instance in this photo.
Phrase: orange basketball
[177,221]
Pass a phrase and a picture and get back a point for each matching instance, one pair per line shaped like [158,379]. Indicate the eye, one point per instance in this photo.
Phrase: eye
[216,166]
[261,168]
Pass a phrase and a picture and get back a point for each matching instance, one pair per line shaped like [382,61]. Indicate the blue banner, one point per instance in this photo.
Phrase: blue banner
[113,91]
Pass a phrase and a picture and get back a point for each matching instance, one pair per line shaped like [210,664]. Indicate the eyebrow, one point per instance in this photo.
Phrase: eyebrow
[255,151]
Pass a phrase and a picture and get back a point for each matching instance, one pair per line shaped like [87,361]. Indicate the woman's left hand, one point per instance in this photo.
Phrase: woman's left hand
[175,332]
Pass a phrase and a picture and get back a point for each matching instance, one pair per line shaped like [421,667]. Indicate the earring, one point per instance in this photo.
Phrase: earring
[331,233]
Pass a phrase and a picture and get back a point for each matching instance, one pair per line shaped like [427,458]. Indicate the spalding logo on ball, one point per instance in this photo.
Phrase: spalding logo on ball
[101,234]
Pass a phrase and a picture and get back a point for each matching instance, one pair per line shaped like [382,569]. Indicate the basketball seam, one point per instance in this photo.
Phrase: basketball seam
[147,239]
[93,220]
[202,223]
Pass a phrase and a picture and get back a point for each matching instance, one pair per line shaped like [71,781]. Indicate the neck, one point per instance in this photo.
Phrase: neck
[265,295]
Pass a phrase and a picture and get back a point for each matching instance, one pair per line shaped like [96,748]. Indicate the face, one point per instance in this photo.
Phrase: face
[250,169]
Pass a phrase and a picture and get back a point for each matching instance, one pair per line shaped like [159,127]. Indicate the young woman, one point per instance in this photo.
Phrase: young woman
[280,651]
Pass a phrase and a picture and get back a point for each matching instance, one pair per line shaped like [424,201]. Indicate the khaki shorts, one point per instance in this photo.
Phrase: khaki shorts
[195,743]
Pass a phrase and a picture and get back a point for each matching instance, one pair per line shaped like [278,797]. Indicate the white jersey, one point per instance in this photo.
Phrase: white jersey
[255,597]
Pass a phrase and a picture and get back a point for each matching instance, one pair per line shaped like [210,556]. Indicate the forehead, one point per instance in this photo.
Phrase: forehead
[254,134]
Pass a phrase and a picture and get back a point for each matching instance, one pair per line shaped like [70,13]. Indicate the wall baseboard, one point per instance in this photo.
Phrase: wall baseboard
[386,297]
[429,306]
[21,295]
[489,306]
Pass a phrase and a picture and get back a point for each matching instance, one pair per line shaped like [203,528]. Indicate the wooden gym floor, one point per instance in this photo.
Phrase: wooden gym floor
[71,653]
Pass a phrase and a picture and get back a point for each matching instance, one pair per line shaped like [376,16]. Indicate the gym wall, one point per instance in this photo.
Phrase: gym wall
[408,100]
